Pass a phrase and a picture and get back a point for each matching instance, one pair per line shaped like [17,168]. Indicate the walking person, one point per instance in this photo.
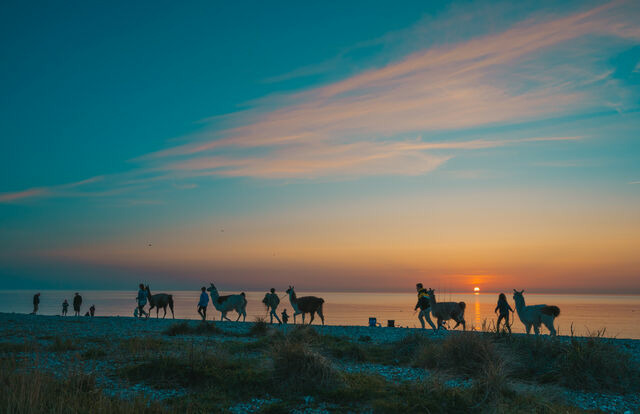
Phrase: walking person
[65,307]
[77,304]
[92,310]
[271,300]
[285,317]
[424,305]
[202,304]
[142,301]
[504,308]
[36,302]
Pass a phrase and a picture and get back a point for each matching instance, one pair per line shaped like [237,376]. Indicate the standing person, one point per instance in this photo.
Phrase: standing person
[36,302]
[65,307]
[92,310]
[285,317]
[504,308]
[271,300]
[202,304]
[77,303]
[142,301]
[424,305]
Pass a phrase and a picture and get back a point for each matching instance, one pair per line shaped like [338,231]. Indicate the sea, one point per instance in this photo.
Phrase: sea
[606,315]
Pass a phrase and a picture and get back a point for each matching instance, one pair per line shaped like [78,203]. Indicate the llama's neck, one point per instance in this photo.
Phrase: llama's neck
[432,299]
[520,305]
[294,300]
[214,295]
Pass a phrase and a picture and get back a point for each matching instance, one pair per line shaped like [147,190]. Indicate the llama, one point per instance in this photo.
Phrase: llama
[444,311]
[160,300]
[227,303]
[305,304]
[535,315]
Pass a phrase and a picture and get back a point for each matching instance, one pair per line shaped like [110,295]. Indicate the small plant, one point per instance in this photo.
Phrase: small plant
[301,369]
[184,328]
[259,327]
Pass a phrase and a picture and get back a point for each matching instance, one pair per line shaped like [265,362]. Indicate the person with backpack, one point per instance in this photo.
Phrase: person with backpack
[202,304]
[77,303]
[424,305]
[271,301]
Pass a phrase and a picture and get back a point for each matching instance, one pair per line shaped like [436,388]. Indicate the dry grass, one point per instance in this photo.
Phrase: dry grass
[33,392]
[186,328]
[300,369]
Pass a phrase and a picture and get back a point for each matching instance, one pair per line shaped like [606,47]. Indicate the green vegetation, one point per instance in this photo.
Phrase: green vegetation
[186,328]
[34,392]
[467,372]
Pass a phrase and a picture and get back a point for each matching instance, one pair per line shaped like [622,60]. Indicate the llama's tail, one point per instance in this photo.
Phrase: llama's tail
[550,310]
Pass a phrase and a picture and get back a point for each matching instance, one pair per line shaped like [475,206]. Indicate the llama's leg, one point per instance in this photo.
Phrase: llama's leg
[165,312]
[536,329]
[157,312]
[321,315]
[528,326]
[244,315]
[548,322]
[439,323]
[222,316]
[303,318]
[173,316]
[313,314]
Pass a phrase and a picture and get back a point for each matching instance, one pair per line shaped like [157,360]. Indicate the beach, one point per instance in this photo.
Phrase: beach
[107,347]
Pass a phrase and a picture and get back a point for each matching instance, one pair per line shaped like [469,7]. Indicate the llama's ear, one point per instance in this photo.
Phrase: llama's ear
[515,291]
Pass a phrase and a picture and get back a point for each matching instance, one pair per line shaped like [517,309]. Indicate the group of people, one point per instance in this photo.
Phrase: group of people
[424,305]
[77,305]
[271,301]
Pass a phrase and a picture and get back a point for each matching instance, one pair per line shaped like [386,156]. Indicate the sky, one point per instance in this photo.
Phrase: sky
[356,146]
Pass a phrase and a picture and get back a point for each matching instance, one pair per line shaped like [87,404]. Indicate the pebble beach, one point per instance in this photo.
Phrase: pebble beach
[40,332]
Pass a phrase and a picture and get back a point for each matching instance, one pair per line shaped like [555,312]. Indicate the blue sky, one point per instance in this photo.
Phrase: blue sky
[295,142]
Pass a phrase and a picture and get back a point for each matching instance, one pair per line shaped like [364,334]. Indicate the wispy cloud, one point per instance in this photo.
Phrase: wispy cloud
[359,125]
[20,195]
[57,190]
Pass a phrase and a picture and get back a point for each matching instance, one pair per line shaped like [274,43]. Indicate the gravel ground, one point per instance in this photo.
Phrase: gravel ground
[21,328]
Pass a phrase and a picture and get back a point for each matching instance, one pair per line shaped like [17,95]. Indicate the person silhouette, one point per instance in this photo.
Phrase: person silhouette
[202,304]
[424,305]
[92,310]
[504,308]
[271,300]
[65,307]
[77,304]
[36,302]
[285,317]
[142,301]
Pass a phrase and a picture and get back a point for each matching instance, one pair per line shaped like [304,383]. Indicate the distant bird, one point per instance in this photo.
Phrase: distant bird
[150,244]
[221,230]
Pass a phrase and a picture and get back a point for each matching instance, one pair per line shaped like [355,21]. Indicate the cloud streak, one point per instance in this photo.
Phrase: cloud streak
[358,126]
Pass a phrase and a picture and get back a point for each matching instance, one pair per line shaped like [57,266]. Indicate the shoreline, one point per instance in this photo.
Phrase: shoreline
[379,334]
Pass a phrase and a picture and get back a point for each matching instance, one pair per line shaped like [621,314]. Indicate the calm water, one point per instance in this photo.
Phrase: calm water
[619,314]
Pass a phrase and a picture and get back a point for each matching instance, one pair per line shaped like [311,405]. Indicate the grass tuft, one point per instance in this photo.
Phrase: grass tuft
[300,369]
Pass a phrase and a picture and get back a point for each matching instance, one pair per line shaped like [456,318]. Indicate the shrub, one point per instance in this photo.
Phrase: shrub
[299,368]
[184,328]
[593,364]
[259,327]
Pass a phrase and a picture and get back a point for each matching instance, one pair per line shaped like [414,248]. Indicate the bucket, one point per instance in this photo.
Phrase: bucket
[391,323]
[373,321]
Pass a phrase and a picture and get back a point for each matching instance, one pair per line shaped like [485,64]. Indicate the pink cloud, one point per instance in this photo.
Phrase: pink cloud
[21,195]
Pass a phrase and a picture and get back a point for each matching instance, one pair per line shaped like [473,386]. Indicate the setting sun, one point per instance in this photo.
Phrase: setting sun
[476,289]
